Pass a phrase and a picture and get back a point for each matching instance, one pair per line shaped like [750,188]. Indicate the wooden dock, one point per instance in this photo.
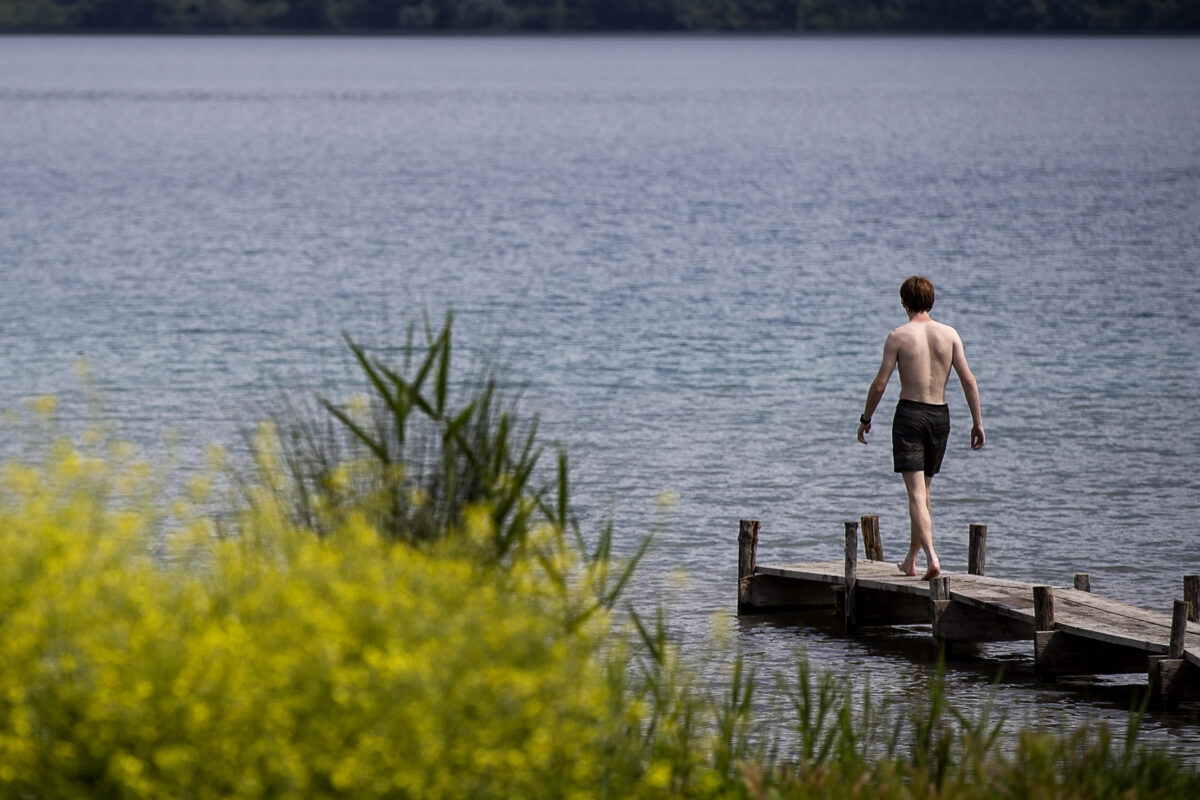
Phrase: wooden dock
[1073,631]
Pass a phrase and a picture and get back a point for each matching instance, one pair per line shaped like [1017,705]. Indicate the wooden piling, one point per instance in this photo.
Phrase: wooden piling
[939,598]
[851,575]
[747,553]
[1191,594]
[939,604]
[1172,678]
[872,543]
[1083,582]
[1043,608]
[1179,622]
[977,549]
[1044,638]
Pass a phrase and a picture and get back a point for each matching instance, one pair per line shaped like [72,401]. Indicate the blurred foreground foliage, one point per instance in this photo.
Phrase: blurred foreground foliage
[370,626]
[603,15]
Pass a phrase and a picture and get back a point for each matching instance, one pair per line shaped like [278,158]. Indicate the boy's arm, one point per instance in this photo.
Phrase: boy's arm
[971,390]
[891,349]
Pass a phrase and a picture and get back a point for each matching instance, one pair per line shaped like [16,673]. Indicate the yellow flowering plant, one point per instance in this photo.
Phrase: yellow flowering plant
[278,663]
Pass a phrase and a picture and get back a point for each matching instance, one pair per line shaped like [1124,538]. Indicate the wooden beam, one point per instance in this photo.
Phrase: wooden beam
[879,607]
[958,622]
[1083,582]
[747,553]
[1191,593]
[977,549]
[1061,653]
[767,593]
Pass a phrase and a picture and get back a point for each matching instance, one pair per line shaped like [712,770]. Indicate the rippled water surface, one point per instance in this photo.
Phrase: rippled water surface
[687,252]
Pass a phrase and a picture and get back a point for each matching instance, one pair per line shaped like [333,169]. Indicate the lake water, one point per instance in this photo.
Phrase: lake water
[687,253]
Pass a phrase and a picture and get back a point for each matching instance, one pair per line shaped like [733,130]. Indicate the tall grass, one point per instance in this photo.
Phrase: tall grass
[411,455]
[399,606]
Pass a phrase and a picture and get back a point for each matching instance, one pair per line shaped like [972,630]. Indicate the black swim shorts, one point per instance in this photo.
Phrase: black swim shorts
[919,433]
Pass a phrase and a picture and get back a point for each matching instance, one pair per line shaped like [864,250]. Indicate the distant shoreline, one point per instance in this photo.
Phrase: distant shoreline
[368,33]
[602,17]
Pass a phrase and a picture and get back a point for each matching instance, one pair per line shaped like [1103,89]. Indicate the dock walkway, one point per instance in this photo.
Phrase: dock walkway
[1074,632]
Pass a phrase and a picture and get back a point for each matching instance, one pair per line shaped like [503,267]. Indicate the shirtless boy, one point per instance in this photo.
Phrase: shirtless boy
[925,351]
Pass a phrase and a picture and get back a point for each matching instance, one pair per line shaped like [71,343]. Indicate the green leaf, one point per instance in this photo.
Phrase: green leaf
[443,373]
[376,447]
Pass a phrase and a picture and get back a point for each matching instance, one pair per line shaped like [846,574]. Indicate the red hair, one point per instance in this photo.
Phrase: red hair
[916,294]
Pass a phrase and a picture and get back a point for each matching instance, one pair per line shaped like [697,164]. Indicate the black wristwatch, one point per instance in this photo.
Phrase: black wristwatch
[864,420]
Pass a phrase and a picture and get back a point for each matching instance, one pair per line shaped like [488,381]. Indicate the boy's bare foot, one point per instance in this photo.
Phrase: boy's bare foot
[910,571]
[931,573]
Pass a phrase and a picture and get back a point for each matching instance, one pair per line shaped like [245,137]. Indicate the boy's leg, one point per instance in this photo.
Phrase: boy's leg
[920,516]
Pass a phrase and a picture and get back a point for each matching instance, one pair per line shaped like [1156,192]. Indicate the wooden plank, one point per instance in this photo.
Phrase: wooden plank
[1142,639]
[989,581]
[1015,608]
[1010,600]
[1113,623]
[1117,608]
[1150,636]
[1107,621]
[828,572]
[831,571]
[906,589]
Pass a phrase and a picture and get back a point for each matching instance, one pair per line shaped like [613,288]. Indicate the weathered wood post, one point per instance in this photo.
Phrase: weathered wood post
[1179,621]
[1043,627]
[939,603]
[872,542]
[747,552]
[1168,676]
[939,597]
[1043,608]
[976,549]
[1083,582]
[1191,595]
[851,574]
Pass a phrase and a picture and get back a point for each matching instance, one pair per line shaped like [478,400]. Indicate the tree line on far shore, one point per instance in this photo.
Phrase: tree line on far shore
[602,15]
